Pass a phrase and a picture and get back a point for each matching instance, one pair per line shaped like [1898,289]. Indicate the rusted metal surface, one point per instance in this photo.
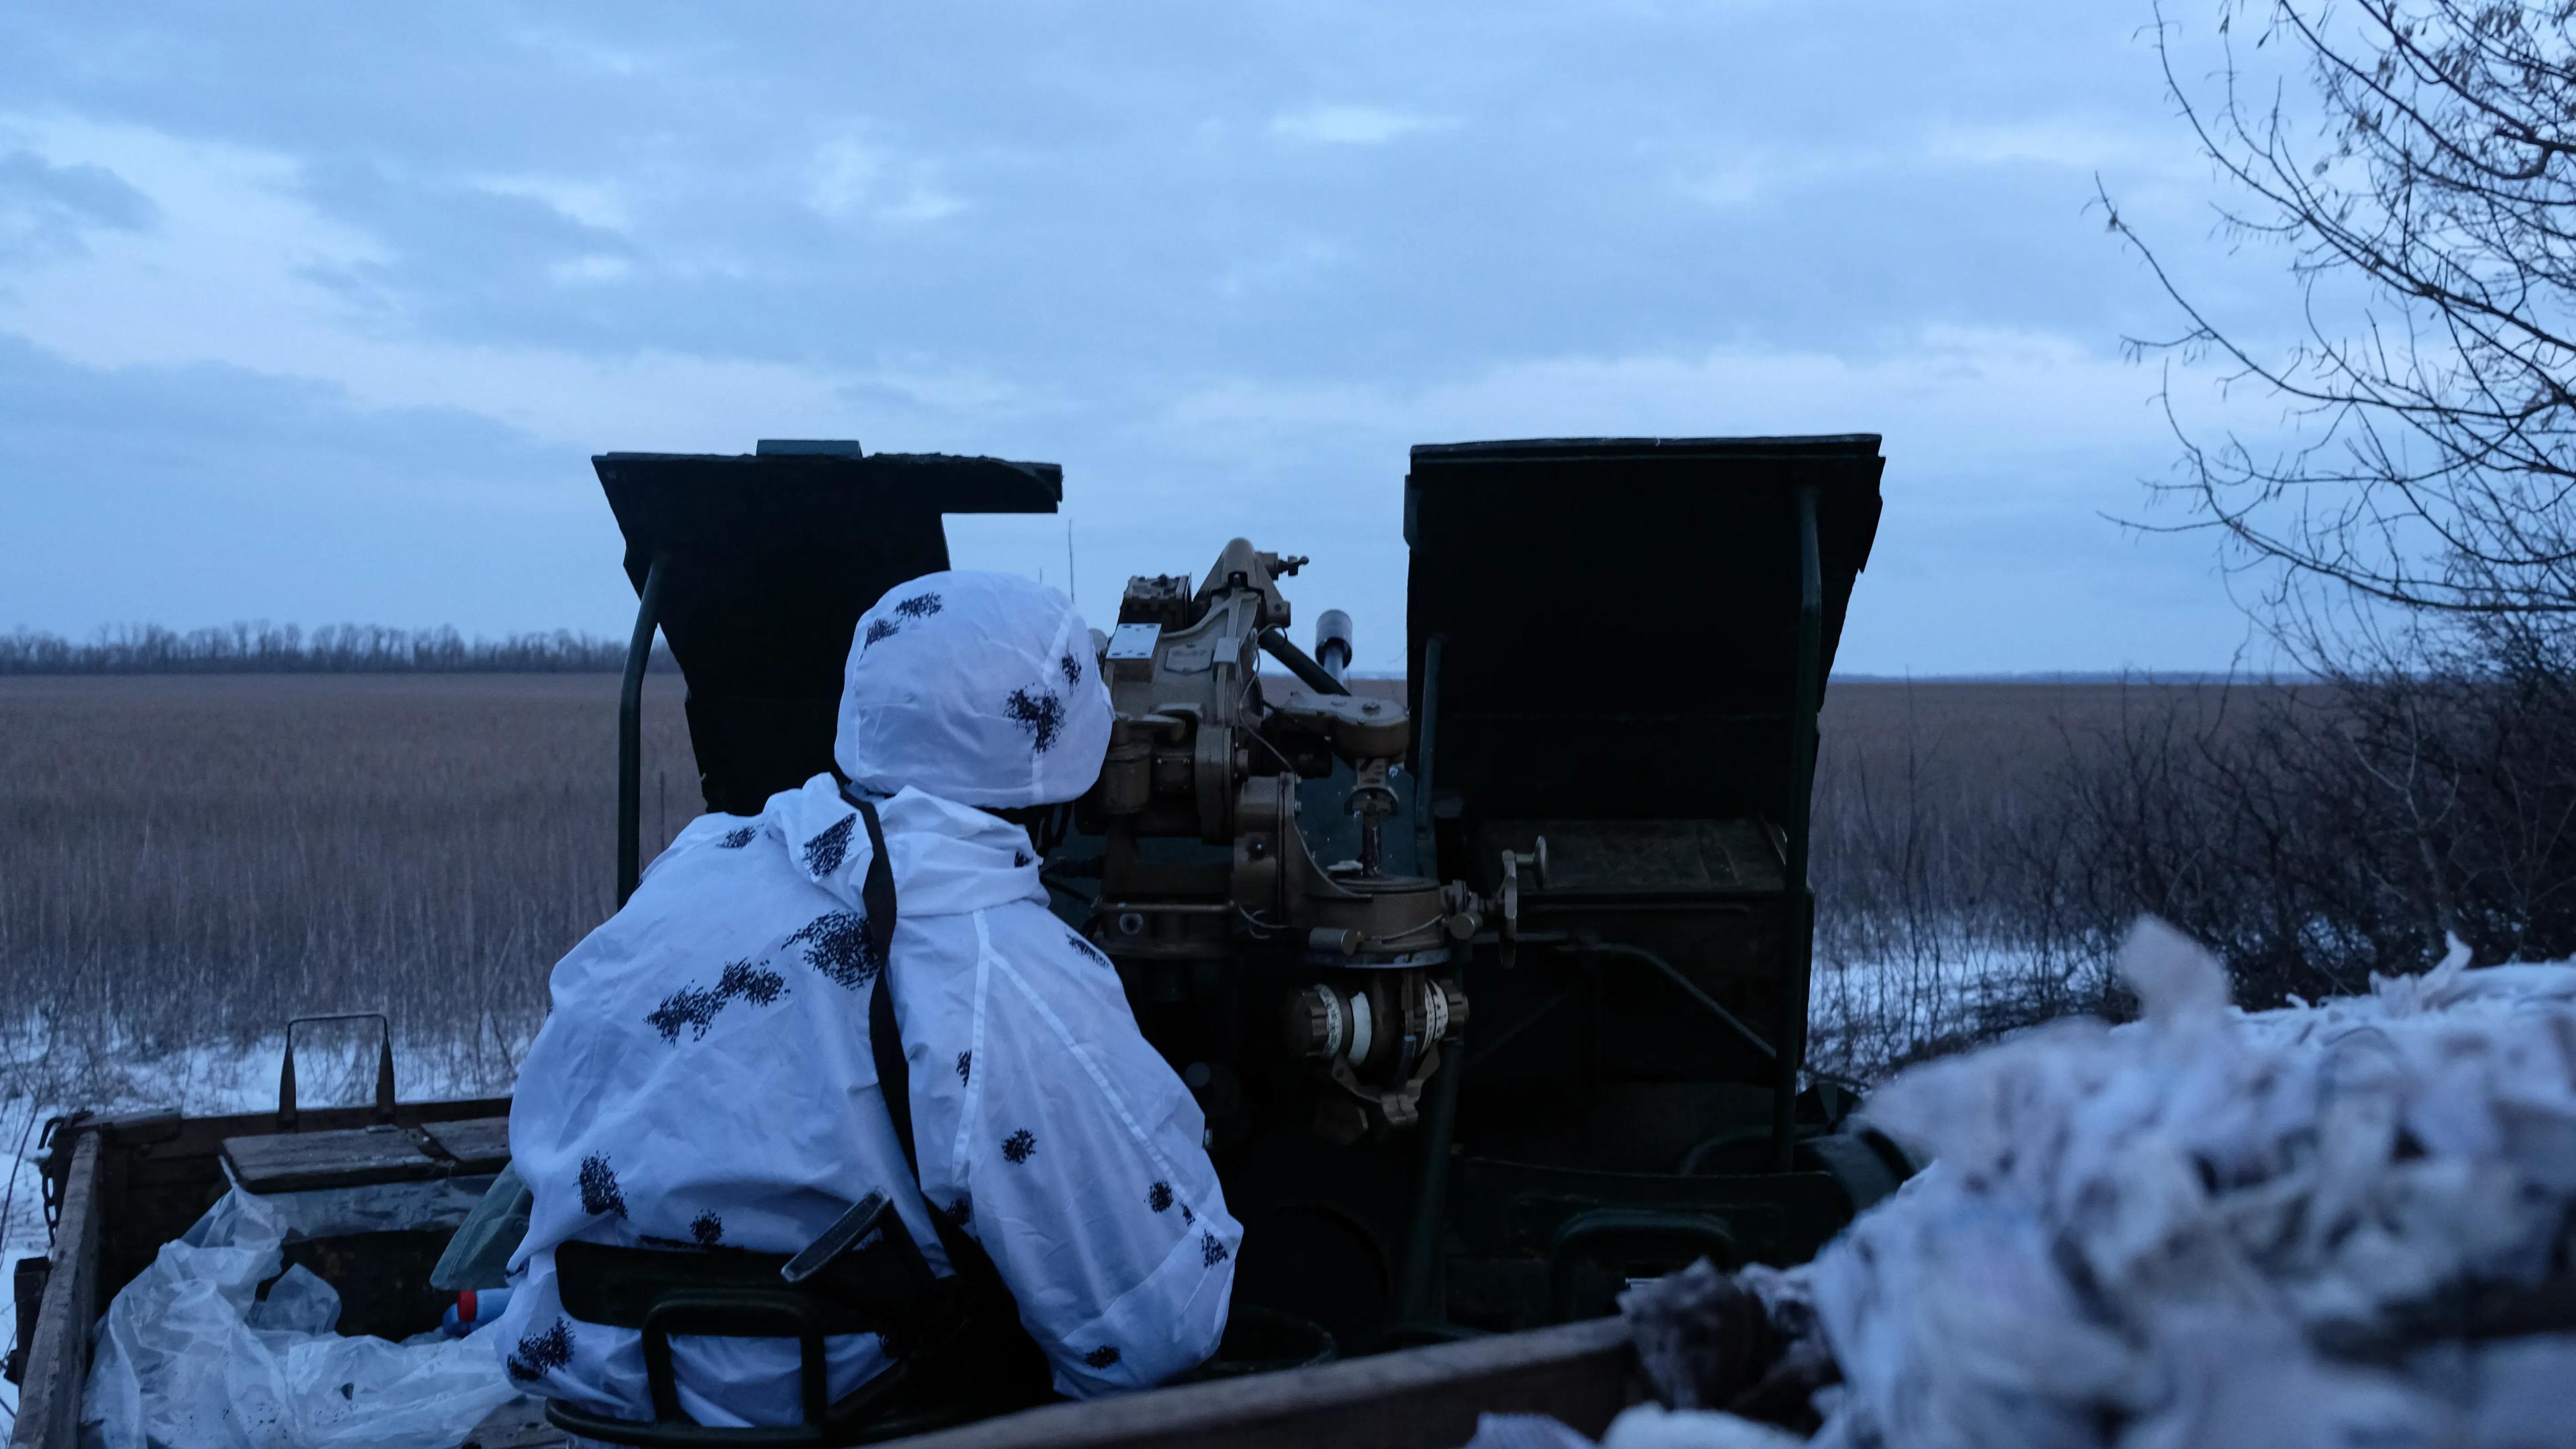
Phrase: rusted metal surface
[1423,1398]
[27,1278]
[58,1356]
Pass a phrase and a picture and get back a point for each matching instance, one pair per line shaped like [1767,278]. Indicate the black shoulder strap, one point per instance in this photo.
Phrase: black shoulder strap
[1008,1368]
[885,1039]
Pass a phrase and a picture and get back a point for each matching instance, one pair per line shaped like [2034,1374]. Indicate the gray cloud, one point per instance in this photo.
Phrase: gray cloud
[1237,259]
[204,494]
[45,209]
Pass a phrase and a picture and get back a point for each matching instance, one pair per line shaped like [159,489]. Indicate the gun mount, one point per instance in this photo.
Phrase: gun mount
[1585,812]
[1200,752]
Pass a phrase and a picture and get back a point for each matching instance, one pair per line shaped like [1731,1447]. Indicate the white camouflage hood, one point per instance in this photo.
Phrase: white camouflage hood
[975,687]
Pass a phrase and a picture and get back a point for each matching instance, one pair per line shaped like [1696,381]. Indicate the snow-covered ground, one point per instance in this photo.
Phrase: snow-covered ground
[1865,1015]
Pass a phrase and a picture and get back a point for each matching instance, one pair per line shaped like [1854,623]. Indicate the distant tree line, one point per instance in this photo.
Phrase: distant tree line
[264,648]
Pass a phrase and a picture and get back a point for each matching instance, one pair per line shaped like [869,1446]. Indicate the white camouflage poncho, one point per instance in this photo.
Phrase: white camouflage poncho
[705,1077]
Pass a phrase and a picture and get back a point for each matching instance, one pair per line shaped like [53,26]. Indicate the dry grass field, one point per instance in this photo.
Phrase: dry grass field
[185,860]
[1940,885]
[192,860]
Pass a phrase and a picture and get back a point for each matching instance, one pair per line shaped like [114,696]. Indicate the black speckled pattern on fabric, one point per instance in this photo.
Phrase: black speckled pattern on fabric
[1019,1146]
[737,839]
[756,984]
[1159,1197]
[1040,713]
[919,606]
[695,1007]
[836,944]
[540,1354]
[881,631]
[707,1229]
[600,1196]
[825,852]
[1105,1356]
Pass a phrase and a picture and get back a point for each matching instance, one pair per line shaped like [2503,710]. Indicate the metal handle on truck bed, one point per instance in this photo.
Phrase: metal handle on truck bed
[630,730]
[384,1066]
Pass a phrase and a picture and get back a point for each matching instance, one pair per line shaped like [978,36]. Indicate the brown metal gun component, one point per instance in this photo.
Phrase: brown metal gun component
[1199,752]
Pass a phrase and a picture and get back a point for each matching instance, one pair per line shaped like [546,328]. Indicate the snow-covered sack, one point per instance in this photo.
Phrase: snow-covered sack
[2339,1224]
[191,1354]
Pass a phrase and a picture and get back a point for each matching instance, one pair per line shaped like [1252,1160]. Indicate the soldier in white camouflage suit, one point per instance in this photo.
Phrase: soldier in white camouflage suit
[705,1081]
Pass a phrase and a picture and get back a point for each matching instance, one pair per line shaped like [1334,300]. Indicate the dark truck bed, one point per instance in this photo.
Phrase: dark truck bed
[116,1188]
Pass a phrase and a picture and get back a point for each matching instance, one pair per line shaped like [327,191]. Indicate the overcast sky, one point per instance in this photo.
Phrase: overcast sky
[315,314]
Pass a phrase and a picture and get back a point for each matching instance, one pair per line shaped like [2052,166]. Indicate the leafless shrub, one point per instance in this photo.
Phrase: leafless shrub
[2317,835]
[2410,513]
[1932,883]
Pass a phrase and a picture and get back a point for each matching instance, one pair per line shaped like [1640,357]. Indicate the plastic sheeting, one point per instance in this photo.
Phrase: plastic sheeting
[191,1354]
[2339,1224]
[479,1255]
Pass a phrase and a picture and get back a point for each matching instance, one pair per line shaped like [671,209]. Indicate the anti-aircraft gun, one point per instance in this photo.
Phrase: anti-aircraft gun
[1358,956]
[1494,993]
[1578,830]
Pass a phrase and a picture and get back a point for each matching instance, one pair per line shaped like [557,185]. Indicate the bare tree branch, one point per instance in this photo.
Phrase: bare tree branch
[2425,189]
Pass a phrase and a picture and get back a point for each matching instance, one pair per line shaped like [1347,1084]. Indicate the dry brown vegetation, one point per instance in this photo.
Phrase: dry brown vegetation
[1942,867]
[188,859]
[193,859]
